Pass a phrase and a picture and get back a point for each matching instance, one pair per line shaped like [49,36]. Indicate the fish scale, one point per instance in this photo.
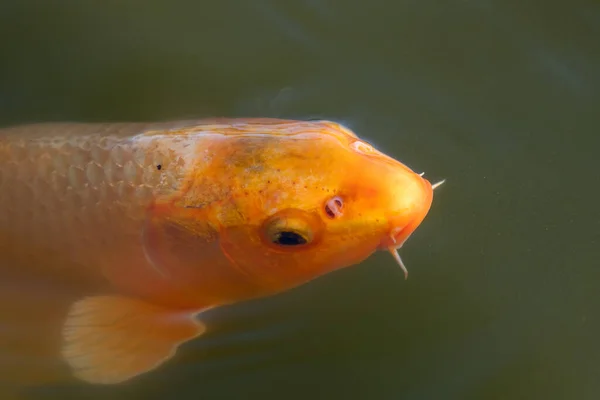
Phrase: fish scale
[62,191]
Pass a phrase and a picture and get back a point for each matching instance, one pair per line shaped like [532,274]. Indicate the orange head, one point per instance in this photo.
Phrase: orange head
[305,198]
[288,201]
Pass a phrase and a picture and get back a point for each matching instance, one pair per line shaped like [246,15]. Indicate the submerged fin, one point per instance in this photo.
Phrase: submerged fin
[110,339]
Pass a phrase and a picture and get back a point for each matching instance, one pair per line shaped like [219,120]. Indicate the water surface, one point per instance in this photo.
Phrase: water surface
[499,97]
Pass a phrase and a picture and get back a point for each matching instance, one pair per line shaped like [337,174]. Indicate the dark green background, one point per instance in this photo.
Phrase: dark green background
[499,97]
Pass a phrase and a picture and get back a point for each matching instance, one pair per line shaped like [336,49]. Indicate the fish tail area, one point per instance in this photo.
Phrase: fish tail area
[52,334]
[111,339]
[11,393]
[31,317]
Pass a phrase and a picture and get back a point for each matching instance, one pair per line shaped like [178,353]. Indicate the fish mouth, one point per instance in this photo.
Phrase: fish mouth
[399,233]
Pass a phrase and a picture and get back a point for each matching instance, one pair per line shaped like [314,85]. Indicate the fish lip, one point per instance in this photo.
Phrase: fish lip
[392,238]
[400,233]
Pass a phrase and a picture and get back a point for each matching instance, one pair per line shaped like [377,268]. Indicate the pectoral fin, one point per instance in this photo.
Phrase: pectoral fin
[110,339]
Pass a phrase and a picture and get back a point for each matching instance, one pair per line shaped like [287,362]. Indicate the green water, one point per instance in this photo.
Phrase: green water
[499,97]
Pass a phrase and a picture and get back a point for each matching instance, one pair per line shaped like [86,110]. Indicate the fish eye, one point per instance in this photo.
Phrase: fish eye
[288,231]
[289,238]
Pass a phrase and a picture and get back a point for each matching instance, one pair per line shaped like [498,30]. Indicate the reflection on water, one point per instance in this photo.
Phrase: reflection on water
[500,98]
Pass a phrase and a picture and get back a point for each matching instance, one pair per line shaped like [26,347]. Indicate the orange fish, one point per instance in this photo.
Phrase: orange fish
[114,238]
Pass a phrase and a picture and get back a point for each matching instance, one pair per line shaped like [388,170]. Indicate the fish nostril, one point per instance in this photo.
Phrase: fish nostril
[333,207]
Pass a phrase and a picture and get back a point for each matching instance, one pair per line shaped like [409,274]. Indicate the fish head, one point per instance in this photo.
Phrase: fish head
[314,200]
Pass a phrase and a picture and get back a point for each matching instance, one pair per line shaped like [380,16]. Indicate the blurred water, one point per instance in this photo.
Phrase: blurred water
[499,97]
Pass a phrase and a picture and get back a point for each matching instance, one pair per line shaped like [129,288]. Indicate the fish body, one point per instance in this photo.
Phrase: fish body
[115,237]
